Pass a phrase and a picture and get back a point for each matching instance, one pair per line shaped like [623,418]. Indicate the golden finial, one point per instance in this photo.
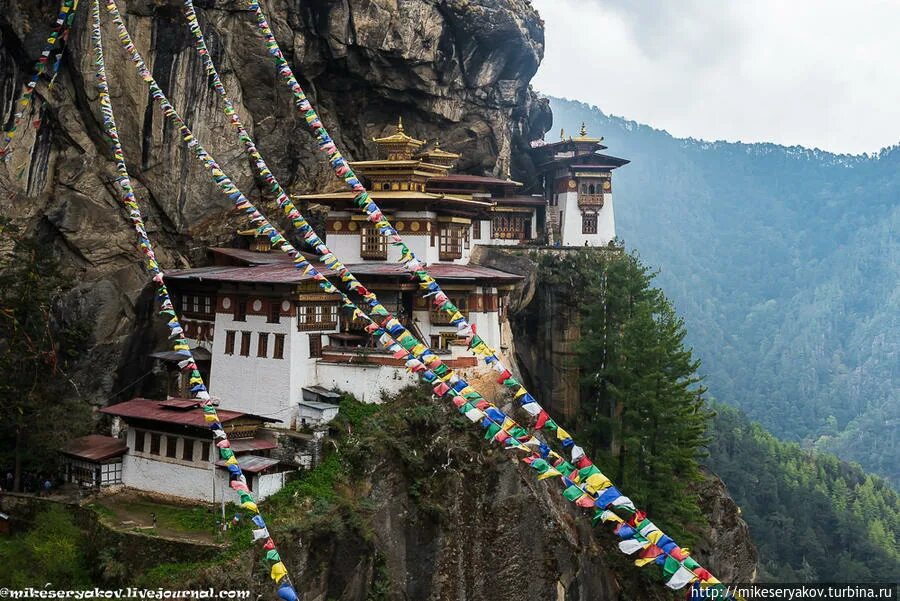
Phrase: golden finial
[583,130]
[400,125]
[562,133]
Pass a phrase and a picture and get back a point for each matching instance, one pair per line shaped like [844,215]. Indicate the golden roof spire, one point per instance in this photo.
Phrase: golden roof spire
[583,130]
[398,146]
[562,133]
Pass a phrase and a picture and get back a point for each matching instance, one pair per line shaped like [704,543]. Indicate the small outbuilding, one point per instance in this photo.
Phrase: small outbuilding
[93,461]
[314,408]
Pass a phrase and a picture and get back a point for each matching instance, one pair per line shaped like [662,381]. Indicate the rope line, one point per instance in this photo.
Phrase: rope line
[489,417]
[59,35]
[639,533]
[237,480]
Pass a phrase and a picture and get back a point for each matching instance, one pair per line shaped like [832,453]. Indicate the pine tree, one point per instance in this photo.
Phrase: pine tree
[643,403]
[34,392]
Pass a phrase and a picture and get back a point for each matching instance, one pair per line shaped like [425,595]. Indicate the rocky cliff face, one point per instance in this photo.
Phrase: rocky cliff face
[457,70]
[427,510]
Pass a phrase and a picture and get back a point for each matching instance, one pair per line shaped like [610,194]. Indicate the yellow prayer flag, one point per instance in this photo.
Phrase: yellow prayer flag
[654,536]
[278,571]
[520,392]
[644,561]
[210,417]
[562,434]
[231,461]
[551,473]
[596,482]
[250,506]
[507,424]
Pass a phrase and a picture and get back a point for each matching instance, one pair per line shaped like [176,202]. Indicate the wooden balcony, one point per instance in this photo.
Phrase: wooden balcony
[590,200]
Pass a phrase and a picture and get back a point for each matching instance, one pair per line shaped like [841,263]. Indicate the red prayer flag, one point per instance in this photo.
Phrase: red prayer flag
[651,552]
[543,416]
[270,544]
[585,501]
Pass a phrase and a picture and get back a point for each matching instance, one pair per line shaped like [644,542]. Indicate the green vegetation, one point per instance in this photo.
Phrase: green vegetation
[52,551]
[813,517]
[179,518]
[783,262]
[642,412]
[330,502]
[37,343]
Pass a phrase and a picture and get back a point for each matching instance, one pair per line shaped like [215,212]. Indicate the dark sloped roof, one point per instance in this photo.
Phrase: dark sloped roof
[251,463]
[95,447]
[184,412]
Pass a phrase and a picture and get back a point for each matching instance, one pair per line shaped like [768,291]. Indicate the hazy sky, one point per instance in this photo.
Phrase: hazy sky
[820,73]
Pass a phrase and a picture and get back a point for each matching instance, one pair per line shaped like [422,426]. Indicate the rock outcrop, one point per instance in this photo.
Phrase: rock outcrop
[430,511]
[458,70]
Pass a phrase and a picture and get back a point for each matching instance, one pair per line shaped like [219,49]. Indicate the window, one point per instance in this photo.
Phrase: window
[197,305]
[111,473]
[154,444]
[229,342]
[204,453]
[450,243]
[187,450]
[439,317]
[171,447]
[589,223]
[245,344]
[139,440]
[240,309]
[315,345]
[316,316]
[510,226]
[274,312]
[476,229]
[278,351]
[372,245]
[262,346]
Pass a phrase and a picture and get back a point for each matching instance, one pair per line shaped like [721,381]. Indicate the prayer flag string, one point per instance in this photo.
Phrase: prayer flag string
[589,487]
[58,35]
[188,365]
[464,397]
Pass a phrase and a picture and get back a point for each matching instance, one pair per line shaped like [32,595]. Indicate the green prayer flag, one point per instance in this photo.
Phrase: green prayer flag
[573,493]
[491,432]
[670,566]
[540,465]
[588,471]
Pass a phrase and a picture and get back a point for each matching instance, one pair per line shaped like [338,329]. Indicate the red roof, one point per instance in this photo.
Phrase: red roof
[274,273]
[95,447]
[439,271]
[173,411]
[251,463]
[461,178]
[242,445]
[287,274]
[528,201]
[243,256]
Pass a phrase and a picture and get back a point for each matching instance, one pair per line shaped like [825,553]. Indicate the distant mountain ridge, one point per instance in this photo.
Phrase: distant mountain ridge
[785,263]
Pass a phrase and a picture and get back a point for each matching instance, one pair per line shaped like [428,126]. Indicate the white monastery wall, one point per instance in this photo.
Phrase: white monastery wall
[365,382]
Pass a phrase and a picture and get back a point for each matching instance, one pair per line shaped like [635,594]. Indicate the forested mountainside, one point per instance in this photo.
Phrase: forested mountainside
[813,517]
[785,265]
